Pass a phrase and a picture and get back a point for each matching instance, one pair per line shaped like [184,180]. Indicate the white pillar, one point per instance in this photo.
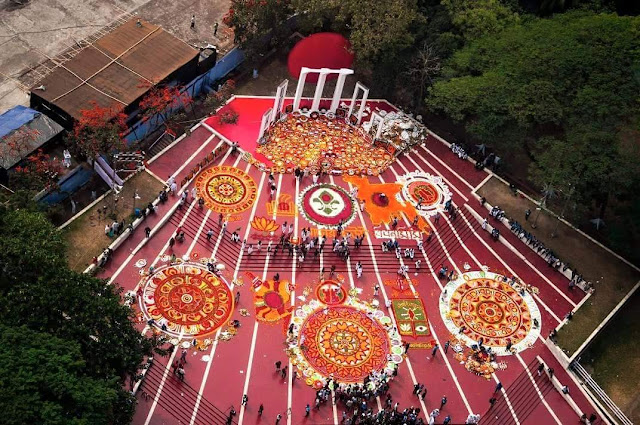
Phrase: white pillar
[264,123]
[379,132]
[337,93]
[353,100]
[322,78]
[300,88]
[281,93]
[362,105]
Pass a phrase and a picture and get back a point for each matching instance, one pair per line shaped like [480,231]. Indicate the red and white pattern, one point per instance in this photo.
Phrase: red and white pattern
[429,191]
[491,309]
[187,299]
[327,205]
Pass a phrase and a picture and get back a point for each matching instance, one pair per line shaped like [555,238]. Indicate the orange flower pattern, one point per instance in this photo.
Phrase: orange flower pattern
[187,299]
[342,341]
[263,224]
[226,190]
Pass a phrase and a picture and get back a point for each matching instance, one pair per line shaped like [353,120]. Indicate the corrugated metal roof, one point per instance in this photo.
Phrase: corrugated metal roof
[18,117]
[117,69]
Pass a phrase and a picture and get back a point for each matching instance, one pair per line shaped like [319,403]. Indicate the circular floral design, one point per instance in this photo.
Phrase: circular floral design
[331,292]
[327,205]
[186,300]
[491,309]
[426,192]
[347,342]
[423,191]
[226,190]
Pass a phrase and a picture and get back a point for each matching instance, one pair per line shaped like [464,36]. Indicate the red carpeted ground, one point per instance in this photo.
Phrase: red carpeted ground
[244,364]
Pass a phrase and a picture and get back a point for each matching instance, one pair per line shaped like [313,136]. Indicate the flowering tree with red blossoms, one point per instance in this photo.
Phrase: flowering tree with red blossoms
[163,100]
[218,98]
[40,170]
[99,130]
[17,144]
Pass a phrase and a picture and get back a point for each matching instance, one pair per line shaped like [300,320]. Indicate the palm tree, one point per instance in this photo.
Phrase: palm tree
[548,192]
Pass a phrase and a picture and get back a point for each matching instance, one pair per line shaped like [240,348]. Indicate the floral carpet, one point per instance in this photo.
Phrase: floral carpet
[226,190]
[322,142]
[413,323]
[327,205]
[382,202]
[492,309]
[427,193]
[271,300]
[345,341]
[186,300]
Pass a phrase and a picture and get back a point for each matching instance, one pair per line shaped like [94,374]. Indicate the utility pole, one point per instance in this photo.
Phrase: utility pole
[535,221]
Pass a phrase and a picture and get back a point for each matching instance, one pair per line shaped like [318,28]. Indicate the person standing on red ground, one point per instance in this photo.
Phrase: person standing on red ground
[434,351]
[245,399]
[278,418]
[278,364]
[260,409]
[443,402]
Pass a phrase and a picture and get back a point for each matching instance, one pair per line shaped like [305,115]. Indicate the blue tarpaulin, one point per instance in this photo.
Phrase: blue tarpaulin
[15,118]
[19,117]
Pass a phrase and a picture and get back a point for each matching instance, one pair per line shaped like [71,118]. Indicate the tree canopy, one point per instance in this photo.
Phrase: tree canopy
[41,295]
[99,130]
[564,89]
[44,382]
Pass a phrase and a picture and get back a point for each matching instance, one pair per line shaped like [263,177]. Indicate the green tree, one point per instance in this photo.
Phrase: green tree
[476,18]
[377,30]
[44,382]
[39,291]
[259,24]
[564,90]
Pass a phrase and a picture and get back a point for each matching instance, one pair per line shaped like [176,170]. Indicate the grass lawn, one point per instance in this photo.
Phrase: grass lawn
[612,359]
[85,235]
[612,354]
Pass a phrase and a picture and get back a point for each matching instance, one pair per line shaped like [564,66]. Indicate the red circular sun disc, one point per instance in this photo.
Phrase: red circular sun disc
[320,50]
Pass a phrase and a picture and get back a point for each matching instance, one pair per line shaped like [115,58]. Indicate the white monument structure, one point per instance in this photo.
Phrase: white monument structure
[271,115]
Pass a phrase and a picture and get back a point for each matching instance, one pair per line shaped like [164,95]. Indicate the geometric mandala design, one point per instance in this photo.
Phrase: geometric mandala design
[491,309]
[327,205]
[346,341]
[428,190]
[226,190]
[187,299]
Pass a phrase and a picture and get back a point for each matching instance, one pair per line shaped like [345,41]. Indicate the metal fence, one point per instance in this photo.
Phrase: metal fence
[617,416]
